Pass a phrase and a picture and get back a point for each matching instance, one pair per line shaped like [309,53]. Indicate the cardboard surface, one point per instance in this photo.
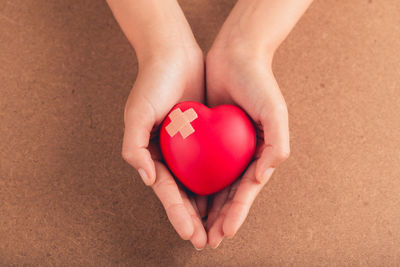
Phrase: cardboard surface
[67,197]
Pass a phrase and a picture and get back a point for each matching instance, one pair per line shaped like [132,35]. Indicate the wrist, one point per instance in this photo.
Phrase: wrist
[241,48]
[246,29]
[235,48]
[153,27]
[176,55]
[166,40]
[157,50]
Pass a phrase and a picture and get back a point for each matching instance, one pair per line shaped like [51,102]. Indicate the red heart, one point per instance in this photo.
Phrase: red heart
[207,148]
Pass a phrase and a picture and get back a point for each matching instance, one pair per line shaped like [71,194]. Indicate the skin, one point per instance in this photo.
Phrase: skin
[238,71]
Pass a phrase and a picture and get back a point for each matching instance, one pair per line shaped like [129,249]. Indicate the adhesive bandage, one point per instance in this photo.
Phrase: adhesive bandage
[180,122]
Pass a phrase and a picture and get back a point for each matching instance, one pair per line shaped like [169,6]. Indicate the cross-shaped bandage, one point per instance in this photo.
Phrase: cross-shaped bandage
[180,122]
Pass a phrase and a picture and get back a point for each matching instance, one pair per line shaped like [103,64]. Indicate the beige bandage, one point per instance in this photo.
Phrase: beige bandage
[180,122]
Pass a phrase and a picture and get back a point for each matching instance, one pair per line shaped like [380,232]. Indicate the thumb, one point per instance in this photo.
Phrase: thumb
[139,120]
[276,138]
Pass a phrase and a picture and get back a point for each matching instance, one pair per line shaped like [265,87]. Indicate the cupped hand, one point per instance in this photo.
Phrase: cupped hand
[164,79]
[238,74]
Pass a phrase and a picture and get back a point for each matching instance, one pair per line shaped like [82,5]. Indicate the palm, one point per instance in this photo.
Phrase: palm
[249,83]
[160,85]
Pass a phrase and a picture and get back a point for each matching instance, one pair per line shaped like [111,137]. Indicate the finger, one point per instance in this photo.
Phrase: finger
[201,203]
[243,199]
[276,141]
[138,124]
[168,192]
[199,237]
[217,203]
[216,233]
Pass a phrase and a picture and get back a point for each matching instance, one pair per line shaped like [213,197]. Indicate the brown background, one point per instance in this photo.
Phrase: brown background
[67,197]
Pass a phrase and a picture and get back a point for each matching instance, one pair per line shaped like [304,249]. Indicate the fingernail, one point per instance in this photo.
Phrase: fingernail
[266,175]
[215,247]
[198,249]
[143,175]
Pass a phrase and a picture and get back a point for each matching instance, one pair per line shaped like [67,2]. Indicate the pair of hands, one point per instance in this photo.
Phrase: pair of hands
[237,70]
[234,75]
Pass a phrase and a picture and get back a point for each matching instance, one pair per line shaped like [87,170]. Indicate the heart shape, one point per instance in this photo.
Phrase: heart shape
[207,148]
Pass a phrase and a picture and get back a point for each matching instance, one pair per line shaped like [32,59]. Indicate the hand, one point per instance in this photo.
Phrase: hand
[238,75]
[171,69]
[163,80]
[239,72]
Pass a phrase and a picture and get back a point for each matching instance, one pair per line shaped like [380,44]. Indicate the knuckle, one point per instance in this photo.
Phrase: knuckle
[275,114]
[282,154]
[280,110]
[127,156]
[163,183]
[239,204]
[129,108]
[129,112]
[173,207]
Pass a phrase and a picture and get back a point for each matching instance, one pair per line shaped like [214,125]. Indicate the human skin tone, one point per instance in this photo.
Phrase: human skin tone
[238,71]
[171,70]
